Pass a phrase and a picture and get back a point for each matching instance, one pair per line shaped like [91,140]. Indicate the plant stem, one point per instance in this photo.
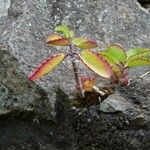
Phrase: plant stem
[76,73]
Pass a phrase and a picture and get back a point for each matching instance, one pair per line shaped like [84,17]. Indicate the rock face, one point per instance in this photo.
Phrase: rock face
[5,4]
[86,128]
[114,103]
[17,94]
[25,107]
[27,23]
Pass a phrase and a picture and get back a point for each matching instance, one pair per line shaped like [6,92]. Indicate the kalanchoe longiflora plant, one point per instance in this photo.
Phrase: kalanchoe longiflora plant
[65,37]
[120,60]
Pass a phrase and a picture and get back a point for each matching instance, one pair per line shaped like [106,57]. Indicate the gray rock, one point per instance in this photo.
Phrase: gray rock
[82,128]
[140,120]
[115,103]
[24,24]
[17,94]
[24,29]
[4,5]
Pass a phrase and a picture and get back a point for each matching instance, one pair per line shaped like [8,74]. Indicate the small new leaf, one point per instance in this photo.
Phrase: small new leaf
[57,40]
[47,66]
[96,63]
[88,83]
[67,33]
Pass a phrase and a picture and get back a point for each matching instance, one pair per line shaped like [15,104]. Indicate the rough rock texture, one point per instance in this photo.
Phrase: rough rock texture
[25,107]
[17,94]
[115,103]
[24,29]
[85,128]
[5,4]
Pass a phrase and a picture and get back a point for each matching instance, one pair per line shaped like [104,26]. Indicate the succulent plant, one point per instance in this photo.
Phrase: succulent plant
[65,37]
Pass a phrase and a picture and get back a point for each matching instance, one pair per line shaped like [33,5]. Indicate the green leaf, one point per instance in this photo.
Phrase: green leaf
[110,59]
[137,52]
[96,63]
[84,43]
[141,61]
[117,52]
[64,29]
[47,66]
[77,41]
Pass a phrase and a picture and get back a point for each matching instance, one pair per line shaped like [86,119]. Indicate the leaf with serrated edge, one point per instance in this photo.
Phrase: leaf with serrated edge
[138,62]
[47,66]
[57,40]
[96,63]
[117,52]
[84,43]
[53,37]
[137,52]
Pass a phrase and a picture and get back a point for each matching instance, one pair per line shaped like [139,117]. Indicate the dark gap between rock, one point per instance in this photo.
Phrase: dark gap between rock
[145,4]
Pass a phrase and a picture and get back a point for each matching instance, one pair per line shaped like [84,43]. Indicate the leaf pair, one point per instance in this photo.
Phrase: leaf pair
[92,60]
[116,55]
[119,59]
[68,38]
[110,63]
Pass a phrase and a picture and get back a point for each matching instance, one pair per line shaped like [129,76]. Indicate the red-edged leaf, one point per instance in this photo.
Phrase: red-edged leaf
[47,66]
[88,83]
[137,52]
[57,40]
[138,62]
[88,44]
[84,43]
[96,63]
[117,52]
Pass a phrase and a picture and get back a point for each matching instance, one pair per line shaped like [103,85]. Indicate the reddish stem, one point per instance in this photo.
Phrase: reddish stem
[76,73]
